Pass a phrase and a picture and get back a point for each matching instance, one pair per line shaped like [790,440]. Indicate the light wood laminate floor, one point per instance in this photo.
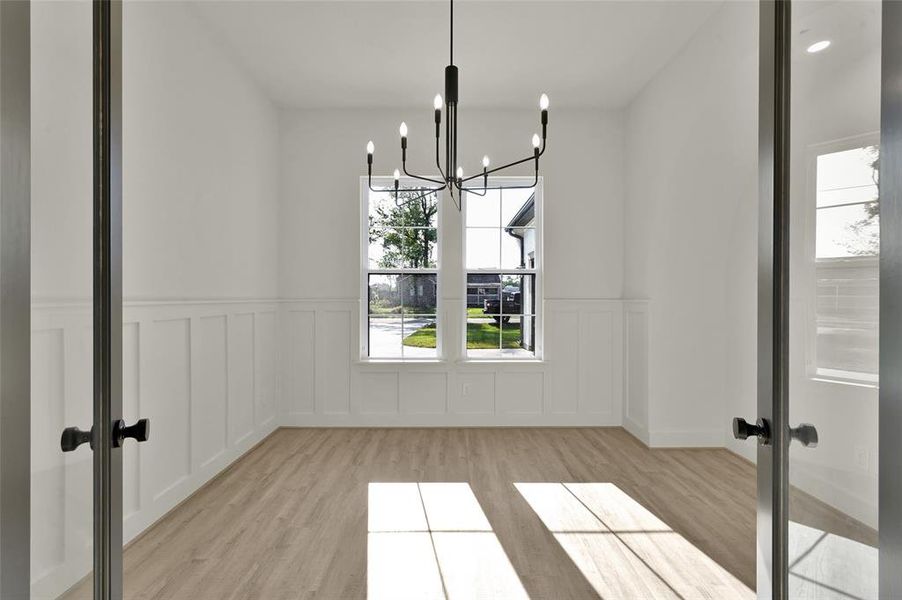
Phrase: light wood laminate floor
[291,519]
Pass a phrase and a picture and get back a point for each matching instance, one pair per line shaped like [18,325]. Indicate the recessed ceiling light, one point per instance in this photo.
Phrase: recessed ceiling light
[818,46]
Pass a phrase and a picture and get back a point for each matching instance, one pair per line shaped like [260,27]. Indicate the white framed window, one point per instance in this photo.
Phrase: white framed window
[846,246]
[502,257]
[400,257]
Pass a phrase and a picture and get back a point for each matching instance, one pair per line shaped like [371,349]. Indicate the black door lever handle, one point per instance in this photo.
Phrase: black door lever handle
[139,432]
[743,430]
[73,437]
[805,434]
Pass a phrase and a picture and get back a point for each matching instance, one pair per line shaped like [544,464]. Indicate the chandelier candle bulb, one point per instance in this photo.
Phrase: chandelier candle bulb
[460,173]
[485,162]
[369,152]
[543,102]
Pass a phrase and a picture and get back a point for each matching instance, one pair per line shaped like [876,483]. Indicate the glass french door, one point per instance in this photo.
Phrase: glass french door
[77,430]
[830,301]
[62,297]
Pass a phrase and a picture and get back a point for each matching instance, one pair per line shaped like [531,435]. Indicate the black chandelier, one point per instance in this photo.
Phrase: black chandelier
[452,177]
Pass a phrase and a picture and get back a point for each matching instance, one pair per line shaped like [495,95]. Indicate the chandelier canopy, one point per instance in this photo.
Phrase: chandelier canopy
[452,178]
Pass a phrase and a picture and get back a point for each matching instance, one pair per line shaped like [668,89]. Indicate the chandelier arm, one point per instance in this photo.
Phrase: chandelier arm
[507,166]
[421,178]
[501,187]
[501,168]
[421,196]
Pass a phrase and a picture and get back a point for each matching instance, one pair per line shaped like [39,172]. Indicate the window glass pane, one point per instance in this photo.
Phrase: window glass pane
[484,211]
[518,336]
[483,248]
[483,335]
[402,316]
[847,317]
[385,334]
[418,294]
[376,254]
[517,294]
[482,287]
[418,248]
[846,169]
[517,208]
[410,210]
[500,315]
[848,231]
[518,248]
[384,295]
[396,248]
[420,336]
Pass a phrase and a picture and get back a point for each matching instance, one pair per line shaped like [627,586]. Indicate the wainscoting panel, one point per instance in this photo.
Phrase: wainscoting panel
[578,383]
[635,380]
[265,363]
[333,371]
[300,372]
[600,360]
[169,384]
[562,341]
[381,395]
[210,367]
[424,393]
[241,377]
[194,368]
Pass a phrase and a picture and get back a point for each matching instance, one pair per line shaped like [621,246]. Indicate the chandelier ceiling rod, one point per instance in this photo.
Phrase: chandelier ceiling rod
[452,177]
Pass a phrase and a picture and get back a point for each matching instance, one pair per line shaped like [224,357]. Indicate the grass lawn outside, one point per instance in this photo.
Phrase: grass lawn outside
[480,336]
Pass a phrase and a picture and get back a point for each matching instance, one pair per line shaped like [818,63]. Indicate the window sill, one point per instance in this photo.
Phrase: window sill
[396,362]
[849,382]
[399,361]
[501,361]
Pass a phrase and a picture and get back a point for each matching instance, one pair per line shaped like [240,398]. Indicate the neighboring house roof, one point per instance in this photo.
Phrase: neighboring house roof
[525,215]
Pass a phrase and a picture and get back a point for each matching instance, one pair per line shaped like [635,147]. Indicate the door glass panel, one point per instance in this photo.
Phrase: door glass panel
[61,287]
[834,298]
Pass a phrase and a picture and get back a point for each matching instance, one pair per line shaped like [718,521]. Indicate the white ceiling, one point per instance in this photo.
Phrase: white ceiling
[392,54]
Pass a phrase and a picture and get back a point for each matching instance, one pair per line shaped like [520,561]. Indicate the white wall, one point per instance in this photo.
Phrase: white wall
[200,269]
[579,383]
[690,236]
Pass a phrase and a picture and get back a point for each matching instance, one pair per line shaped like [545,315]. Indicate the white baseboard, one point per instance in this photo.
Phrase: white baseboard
[637,430]
[449,420]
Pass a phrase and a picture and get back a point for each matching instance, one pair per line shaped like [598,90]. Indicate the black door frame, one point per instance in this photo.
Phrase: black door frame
[107,117]
[773,295]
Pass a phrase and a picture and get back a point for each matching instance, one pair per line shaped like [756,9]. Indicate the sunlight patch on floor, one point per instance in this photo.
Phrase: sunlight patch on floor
[826,565]
[432,540]
[624,550]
